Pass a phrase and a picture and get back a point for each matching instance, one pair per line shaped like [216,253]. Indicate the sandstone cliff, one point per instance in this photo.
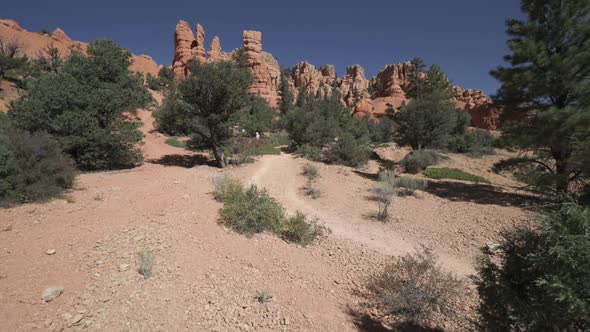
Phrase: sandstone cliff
[33,43]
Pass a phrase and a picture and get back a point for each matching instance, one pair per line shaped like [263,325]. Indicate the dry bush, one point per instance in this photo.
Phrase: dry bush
[415,287]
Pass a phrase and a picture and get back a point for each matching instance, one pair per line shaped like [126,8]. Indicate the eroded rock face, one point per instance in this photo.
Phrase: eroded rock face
[216,53]
[318,83]
[353,85]
[183,44]
[264,67]
[392,80]
[198,45]
[364,107]
[484,114]
[59,35]
[34,44]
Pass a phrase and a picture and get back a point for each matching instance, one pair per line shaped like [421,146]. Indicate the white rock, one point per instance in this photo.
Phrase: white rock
[123,267]
[51,293]
[51,252]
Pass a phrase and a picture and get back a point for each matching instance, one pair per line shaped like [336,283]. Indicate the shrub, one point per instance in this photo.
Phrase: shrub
[382,131]
[414,287]
[476,142]
[32,166]
[317,123]
[349,151]
[453,173]
[419,160]
[311,171]
[263,297]
[11,58]
[384,194]
[85,106]
[300,230]
[249,211]
[257,117]
[311,152]
[539,278]
[226,188]
[145,262]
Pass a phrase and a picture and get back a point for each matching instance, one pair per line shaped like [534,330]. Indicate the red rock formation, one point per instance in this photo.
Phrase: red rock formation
[316,82]
[183,43]
[59,35]
[264,68]
[392,80]
[364,107]
[215,52]
[33,44]
[198,47]
[353,86]
[481,108]
[12,24]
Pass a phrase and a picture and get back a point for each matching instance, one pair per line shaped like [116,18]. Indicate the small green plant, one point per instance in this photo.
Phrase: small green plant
[263,296]
[175,143]
[251,210]
[70,198]
[313,192]
[145,261]
[300,230]
[453,173]
[414,287]
[419,160]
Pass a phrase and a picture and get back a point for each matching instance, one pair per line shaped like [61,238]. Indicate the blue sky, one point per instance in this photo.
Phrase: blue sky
[465,37]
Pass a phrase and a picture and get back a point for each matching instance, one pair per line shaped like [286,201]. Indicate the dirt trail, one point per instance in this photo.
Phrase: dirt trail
[278,174]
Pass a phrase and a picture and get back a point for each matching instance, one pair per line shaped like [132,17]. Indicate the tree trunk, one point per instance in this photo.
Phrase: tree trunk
[217,152]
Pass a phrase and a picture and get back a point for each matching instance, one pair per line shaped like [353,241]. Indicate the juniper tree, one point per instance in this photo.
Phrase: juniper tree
[208,103]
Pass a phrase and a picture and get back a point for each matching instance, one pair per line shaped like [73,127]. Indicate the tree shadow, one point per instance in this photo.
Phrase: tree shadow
[370,176]
[186,161]
[480,194]
[367,323]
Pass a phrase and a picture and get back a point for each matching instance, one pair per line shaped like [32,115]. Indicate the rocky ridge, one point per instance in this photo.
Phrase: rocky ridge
[34,43]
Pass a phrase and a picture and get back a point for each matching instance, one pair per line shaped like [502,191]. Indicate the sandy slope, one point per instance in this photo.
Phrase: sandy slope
[206,276]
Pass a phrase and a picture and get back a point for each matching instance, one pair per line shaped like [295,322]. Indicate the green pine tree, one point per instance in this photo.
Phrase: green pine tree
[545,89]
[287,98]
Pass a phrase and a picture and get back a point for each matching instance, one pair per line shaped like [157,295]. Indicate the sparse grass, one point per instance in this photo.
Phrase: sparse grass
[415,287]
[311,171]
[391,185]
[263,296]
[145,261]
[419,160]
[407,185]
[176,143]
[243,149]
[453,173]
[99,197]
[251,210]
[300,230]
